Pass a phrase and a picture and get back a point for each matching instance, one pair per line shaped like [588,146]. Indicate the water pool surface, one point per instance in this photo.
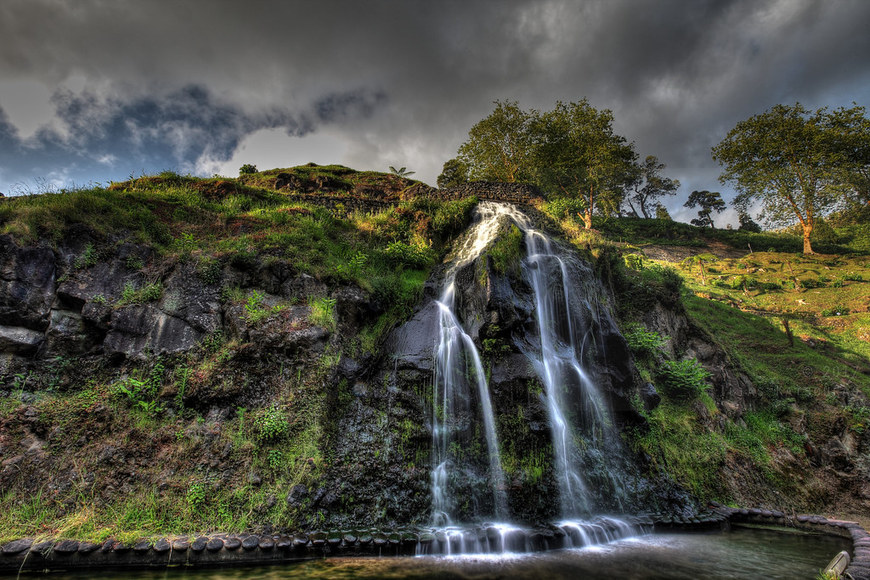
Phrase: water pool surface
[740,553]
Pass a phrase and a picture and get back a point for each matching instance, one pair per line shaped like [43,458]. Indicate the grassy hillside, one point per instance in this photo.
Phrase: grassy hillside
[797,326]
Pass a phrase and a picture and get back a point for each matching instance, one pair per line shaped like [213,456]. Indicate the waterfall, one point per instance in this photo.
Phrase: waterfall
[585,445]
[459,379]
[579,417]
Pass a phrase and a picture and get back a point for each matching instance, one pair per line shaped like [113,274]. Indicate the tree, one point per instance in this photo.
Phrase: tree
[850,130]
[650,187]
[662,213]
[454,172]
[709,202]
[401,171]
[747,224]
[499,147]
[792,160]
[247,169]
[578,154]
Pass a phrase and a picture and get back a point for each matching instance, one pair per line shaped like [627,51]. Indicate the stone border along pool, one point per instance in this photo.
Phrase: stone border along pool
[217,550]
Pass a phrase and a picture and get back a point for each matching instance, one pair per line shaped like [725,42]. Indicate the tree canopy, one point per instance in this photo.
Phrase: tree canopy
[799,164]
[570,151]
[499,147]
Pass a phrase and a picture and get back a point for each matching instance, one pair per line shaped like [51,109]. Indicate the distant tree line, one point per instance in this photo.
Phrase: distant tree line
[790,162]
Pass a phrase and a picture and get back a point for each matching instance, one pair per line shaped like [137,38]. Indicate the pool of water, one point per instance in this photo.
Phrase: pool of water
[740,553]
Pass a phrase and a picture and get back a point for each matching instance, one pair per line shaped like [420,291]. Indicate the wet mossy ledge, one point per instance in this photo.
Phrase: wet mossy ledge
[216,550]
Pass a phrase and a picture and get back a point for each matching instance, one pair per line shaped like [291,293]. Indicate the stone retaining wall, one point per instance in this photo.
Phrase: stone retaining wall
[251,549]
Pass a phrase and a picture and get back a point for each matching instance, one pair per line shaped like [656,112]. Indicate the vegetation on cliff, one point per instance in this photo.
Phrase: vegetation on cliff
[280,411]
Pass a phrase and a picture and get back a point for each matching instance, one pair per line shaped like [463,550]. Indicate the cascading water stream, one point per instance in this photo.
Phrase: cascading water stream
[565,381]
[581,426]
[458,374]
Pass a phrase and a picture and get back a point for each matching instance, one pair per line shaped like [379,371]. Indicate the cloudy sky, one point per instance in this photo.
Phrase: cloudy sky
[97,90]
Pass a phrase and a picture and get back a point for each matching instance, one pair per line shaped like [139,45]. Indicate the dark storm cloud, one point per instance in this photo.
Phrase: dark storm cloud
[401,82]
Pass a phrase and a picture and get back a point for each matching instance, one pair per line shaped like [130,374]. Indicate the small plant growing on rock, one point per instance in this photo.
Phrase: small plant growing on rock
[683,379]
[272,425]
[87,259]
[641,341]
[322,312]
[196,495]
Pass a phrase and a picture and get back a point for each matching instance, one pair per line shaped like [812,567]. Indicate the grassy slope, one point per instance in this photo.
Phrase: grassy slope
[219,220]
[808,384]
[141,411]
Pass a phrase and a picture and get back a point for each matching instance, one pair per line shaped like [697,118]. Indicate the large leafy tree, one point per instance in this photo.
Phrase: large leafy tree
[578,155]
[499,147]
[850,136]
[650,187]
[791,160]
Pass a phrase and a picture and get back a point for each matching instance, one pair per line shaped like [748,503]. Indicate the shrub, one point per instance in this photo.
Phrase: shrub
[272,425]
[415,256]
[641,341]
[247,169]
[563,207]
[322,312]
[150,292]
[683,379]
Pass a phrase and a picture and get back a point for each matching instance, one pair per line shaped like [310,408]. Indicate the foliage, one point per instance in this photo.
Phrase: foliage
[401,171]
[507,251]
[454,172]
[150,292]
[683,379]
[793,161]
[87,258]
[578,155]
[709,202]
[650,187]
[747,224]
[641,341]
[500,146]
[662,213]
[247,169]
[272,424]
[322,312]
[564,207]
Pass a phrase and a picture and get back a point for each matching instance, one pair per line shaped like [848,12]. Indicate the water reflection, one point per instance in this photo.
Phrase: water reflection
[742,553]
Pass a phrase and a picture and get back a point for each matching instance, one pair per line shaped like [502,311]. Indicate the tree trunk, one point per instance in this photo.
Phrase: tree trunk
[808,229]
[587,219]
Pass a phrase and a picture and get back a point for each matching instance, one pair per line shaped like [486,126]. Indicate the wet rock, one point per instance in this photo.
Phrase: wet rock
[650,396]
[266,543]
[297,494]
[19,340]
[16,546]
[214,545]
[88,547]
[284,543]
[200,544]
[250,542]
[232,543]
[66,547]
[181,545]
[27,279]
[162,546]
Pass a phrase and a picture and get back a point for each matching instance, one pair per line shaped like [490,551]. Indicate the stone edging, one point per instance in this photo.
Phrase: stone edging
[250,549]
[859,566]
